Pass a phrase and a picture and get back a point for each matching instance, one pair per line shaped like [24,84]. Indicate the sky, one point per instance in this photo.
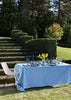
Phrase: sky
[0,2]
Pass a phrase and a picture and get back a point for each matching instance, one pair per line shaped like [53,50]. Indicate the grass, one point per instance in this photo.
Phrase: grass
[5,37]
[63,53]
[57,92]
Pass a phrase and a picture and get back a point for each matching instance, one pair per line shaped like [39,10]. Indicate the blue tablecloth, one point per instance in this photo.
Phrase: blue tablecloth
[41,75]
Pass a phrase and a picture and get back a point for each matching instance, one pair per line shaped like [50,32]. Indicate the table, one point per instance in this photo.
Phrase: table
[39,76]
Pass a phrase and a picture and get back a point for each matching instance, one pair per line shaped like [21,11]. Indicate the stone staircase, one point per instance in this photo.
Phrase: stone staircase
[12,53]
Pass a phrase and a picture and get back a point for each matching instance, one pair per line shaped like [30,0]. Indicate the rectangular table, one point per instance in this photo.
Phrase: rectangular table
[39,76]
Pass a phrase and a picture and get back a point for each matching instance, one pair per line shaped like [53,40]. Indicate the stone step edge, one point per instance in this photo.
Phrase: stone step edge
[6,77]
[7,86]
[12,62]
[12,69]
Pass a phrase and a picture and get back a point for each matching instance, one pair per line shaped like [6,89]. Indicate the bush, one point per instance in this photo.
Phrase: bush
[55,31]
[69,38]
[14,32]
[43,45]
[67,61]
[20,36]
[23,39]
[68,45]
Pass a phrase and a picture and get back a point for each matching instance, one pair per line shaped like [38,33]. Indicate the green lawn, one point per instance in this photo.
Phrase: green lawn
[63,53]
[5,37]
[57,92]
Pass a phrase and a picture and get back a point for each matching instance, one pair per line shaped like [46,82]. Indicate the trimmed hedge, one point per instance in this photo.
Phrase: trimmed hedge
[20,37]
[43,45]
[15,31]
[67,61]
[23,39]
[19,34]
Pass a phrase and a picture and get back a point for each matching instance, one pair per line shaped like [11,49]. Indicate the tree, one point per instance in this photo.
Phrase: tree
[69,37]
[35,13]
[65,19]
[63,16]
[55,31]
[8,17]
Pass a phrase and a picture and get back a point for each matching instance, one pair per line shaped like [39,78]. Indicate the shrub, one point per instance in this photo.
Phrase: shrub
[55,31]
[43,45]
[20,36]
[69,37]
[23,39]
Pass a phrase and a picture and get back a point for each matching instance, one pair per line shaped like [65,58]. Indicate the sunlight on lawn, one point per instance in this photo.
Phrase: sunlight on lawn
[63,53]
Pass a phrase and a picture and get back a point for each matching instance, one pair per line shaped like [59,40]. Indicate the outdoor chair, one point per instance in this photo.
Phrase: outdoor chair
[6,69]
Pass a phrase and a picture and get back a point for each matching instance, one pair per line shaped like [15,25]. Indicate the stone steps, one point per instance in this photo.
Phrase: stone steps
[12,53]
[12,50]
[14,58]
[3,54]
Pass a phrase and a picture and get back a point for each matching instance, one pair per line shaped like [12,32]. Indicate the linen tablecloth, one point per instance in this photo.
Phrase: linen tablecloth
[41,75]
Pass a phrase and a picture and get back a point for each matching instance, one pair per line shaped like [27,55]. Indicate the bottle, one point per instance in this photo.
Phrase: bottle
[33,57]
[27,59]
[50,58]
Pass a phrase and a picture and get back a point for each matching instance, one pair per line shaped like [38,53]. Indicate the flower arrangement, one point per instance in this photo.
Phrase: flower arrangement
[43,56]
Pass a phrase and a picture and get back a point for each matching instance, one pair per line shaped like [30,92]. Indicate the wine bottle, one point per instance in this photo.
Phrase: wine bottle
[50,58]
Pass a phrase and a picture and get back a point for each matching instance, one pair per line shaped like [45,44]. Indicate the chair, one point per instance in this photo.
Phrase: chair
[6,69]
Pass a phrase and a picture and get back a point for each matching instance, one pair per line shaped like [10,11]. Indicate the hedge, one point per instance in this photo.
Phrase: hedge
[43,45]
[64,45]
[20,36]
[23,39]
[15,31]
[67,61]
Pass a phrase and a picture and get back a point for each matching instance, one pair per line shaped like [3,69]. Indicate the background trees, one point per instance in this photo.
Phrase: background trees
[8,17]
[35,13]
[64,17]
[27,14]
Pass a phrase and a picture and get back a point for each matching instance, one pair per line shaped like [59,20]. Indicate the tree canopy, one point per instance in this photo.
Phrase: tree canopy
[27,14]
[8,16]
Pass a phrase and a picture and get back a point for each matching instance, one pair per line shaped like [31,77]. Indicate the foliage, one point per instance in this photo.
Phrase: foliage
[66,36]
[20,36]
[8,18]
[55,31]
[35,35]
[65,11]
[69,38]
[43,45]
[35,13]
